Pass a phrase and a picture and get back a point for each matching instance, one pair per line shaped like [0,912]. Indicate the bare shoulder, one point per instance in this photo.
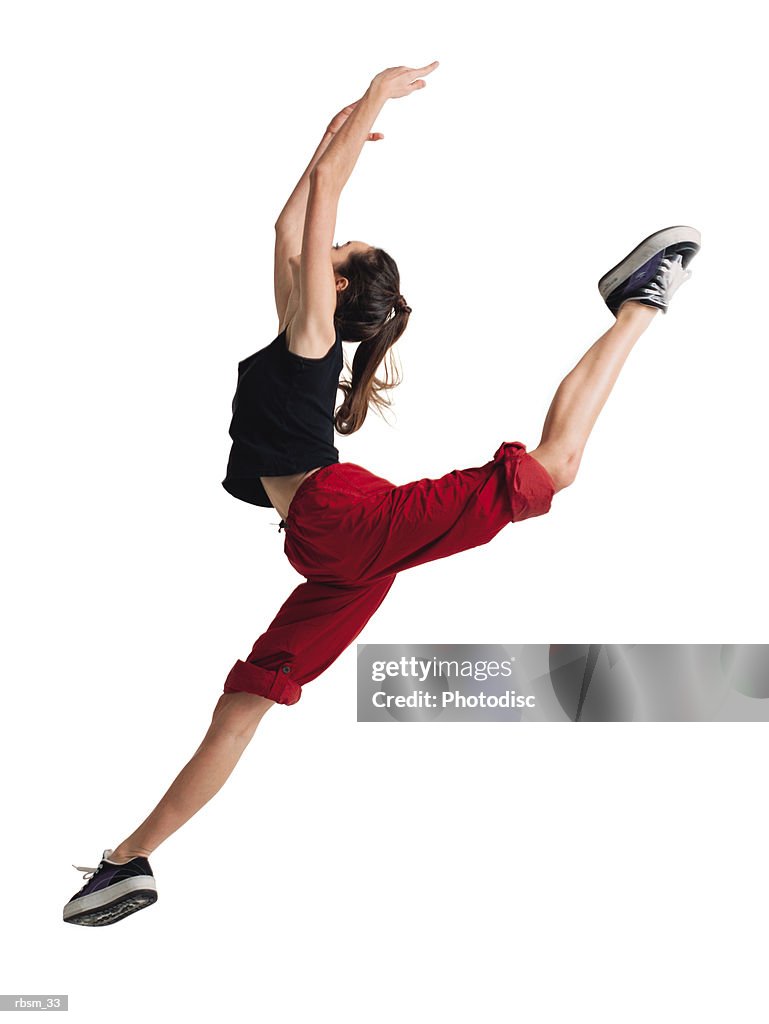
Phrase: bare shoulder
[309,340]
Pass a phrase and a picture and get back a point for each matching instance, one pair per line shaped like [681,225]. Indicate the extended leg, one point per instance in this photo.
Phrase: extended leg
[583,393]
[234,722]
[313,627]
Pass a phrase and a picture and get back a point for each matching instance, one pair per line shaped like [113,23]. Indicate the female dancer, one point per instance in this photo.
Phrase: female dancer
[349,532]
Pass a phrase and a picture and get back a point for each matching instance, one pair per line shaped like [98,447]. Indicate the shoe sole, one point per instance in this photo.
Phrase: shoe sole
[643,253]
[110,905]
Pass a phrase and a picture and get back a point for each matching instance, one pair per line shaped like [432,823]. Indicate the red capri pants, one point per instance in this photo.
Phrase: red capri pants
[349,533]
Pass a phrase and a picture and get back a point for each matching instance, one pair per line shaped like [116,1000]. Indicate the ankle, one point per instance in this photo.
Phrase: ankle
[122,854]
[636,312]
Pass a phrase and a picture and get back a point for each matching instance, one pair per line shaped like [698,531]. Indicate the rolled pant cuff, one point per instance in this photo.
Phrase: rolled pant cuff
[529,485]
[272,683]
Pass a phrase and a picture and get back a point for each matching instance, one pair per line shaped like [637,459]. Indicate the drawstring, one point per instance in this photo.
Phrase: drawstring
[282,525]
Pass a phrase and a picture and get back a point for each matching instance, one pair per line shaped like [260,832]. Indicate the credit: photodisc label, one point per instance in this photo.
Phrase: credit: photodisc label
[563,682]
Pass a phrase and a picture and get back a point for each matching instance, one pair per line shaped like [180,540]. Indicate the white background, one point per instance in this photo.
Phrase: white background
[364,873]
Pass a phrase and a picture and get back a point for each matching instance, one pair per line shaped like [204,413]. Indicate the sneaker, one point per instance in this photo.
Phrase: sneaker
[653,271]
[113,891]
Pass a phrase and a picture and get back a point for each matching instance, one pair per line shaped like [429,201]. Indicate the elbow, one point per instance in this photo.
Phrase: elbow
[322,176]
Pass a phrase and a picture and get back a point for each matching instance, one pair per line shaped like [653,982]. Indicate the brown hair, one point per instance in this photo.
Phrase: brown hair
[370,310]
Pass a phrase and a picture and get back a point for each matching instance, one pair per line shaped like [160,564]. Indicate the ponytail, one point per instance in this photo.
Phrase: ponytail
[368,313]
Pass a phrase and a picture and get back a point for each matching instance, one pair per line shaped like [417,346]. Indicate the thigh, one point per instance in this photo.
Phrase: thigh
[336,522]
[313,627]
[352,526]
[433,518]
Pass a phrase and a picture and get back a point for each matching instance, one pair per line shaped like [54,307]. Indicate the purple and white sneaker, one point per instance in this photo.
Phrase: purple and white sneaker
[653,271]
[113,891]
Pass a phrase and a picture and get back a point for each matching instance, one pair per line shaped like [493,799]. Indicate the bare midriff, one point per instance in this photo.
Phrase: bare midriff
[281,489]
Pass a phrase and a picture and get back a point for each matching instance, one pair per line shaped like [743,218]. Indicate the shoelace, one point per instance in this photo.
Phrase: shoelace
[89,872]
[670,275]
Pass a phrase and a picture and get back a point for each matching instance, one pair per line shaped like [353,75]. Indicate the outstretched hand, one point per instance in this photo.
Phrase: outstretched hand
[396,82]
[339,119]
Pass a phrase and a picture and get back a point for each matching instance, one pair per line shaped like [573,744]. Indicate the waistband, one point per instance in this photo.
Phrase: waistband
[305,487]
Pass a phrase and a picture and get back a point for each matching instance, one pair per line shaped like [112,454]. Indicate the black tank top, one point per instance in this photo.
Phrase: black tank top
[282,417]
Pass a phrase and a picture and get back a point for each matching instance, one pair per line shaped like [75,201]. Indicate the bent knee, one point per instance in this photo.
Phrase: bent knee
[566,473]
[239,713]
[561,465]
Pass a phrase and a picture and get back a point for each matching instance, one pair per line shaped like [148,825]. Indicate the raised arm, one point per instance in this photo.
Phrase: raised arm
[289,226]
[314,323]
[337,163]
[288,231]
[293,212]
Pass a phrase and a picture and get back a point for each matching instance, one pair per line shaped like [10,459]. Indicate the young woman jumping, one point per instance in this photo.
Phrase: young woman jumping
[348,531]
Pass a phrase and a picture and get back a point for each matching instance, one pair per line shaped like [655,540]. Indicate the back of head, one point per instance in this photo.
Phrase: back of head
[372,311]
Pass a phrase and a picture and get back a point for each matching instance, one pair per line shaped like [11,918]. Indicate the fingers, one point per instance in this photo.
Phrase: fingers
[426,70]
[419,83]
[400,81]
